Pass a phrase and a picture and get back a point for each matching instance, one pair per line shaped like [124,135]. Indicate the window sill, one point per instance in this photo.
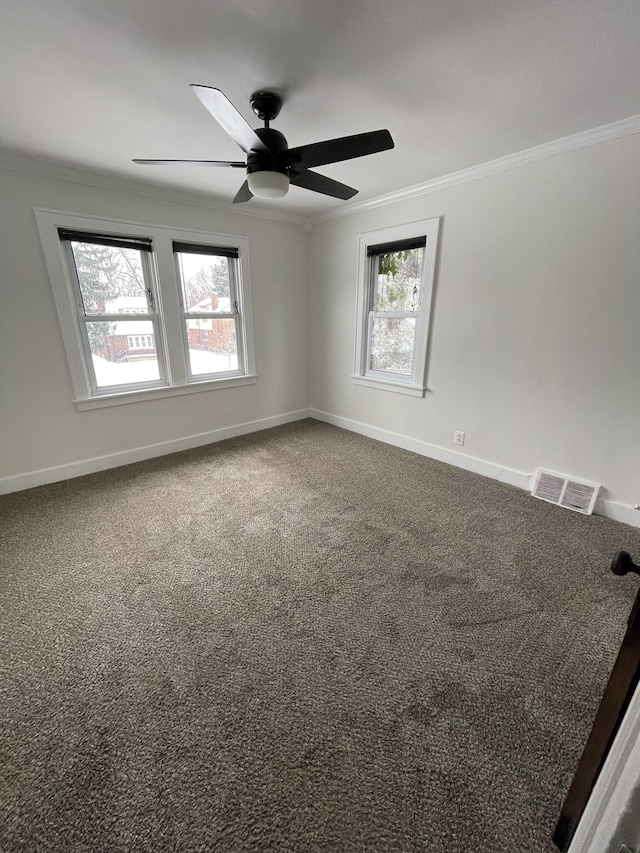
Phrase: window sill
[122,398]
[389,385]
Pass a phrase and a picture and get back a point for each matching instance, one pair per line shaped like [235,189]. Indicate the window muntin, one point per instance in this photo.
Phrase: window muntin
[114,288]
[394,298]
[210,309]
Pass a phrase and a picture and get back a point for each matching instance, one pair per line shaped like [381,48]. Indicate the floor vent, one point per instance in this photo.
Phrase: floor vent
[578,495]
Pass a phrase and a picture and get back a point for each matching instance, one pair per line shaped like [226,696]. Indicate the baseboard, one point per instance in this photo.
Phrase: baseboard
[424,448]
[608,508]
[625,513]
[139,454]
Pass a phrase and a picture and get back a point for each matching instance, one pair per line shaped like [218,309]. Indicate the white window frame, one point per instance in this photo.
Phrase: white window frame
[169,336]
[413,384]
[149,315]
[234,314]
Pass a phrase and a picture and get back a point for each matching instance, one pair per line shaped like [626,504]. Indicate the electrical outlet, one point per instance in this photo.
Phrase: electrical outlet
[458,437]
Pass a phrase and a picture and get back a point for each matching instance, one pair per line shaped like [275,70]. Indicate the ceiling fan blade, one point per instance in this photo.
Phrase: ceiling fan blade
[229,118]
[243,194]
[233,164]
[343,148]
[321,184]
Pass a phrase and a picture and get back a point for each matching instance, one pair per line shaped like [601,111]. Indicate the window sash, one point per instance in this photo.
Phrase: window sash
[400,315]
[373,258]
[389,374]
[215,315]
[373,255]
[85,319]
[233,257]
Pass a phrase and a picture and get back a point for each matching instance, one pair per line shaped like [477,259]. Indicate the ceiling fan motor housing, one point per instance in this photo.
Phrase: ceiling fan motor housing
[271,160]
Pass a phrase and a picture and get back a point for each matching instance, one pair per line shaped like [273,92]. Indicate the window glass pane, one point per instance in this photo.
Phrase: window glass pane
[123,353]
[398,281]
[110,278]
[212,345]
[205,282]
[392,344]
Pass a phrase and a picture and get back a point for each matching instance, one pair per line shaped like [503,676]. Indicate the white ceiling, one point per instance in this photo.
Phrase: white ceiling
[90,84]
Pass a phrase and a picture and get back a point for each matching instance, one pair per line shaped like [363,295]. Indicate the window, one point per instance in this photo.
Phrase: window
[114,291]
[140,341]
[395,285]
[209,307]
[148,311]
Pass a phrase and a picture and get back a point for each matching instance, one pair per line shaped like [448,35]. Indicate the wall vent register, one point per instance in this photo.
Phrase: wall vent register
[578,495]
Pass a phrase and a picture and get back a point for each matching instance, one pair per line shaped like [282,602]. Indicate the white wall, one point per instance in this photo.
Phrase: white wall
[535,348]
[40,427]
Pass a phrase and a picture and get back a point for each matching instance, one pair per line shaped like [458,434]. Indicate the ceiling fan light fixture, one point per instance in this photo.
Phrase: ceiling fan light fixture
[266,184]
[271,165]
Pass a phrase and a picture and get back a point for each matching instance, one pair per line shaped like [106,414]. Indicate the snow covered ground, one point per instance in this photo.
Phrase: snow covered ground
[212,362]
[128,372]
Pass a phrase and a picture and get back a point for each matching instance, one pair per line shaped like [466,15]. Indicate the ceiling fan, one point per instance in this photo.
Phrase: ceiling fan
[271,165]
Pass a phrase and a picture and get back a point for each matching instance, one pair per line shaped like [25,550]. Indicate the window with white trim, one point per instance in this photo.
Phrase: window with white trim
[395,285]
[148,311]
[140,341]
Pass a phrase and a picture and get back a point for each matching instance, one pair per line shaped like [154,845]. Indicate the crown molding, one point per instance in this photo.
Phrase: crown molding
[605,133]
[17,163]
[595,136]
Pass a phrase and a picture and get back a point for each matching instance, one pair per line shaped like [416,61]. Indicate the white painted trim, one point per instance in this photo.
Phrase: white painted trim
[138,454]
[625,513]
[17,163]
[424,448]
[610,509]
[595,136]
[619,778]
[126,397]
[386,385]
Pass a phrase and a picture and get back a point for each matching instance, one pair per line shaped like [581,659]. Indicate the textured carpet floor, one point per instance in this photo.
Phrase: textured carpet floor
[300,640]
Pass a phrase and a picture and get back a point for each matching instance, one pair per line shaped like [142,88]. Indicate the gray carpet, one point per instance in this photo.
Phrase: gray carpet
[300,640]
